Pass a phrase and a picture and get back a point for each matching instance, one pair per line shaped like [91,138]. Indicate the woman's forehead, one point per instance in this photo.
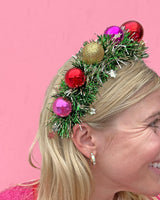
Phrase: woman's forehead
[152,100]
[142,110]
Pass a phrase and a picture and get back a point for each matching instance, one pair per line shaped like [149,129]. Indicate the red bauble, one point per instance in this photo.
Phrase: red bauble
[75,78]
[135,29]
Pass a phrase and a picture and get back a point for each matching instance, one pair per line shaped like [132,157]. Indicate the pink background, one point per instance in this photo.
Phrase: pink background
[36,38]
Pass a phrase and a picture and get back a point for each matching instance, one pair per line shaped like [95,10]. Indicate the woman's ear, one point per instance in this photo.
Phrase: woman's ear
[84,140]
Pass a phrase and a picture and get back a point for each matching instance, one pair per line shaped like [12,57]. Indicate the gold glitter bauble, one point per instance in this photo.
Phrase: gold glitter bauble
[92,53]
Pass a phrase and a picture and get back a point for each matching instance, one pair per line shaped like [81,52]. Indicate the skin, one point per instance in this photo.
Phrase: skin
[124,150]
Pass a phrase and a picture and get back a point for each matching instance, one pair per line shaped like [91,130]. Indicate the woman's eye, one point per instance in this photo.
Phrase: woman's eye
[156,125]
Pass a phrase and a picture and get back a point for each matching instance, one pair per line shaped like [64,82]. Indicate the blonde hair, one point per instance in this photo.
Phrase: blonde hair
[65,172]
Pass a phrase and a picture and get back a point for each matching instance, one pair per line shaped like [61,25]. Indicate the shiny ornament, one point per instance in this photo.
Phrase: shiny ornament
[75,78]
[135,29]
[62,107]
[92,53]
[115,32]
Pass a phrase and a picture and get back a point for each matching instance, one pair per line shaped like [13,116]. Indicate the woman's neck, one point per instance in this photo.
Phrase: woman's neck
[103,188]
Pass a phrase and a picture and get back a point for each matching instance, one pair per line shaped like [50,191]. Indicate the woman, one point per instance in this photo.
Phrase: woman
[99,131]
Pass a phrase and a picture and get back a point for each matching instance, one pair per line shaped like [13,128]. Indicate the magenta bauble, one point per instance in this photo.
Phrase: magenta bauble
[135,29]
[116,32]
[62,107]
[75,78]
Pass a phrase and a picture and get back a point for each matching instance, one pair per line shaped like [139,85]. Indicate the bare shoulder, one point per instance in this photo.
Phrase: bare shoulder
[25,191]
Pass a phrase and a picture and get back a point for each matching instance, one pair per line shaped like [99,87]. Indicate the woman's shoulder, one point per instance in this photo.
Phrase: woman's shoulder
[24,191]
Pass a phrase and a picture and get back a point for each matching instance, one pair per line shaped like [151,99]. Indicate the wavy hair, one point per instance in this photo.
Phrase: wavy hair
[65,172]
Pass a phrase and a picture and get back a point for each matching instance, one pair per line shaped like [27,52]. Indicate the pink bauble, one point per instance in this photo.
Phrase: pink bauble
[62,107]
[115,31]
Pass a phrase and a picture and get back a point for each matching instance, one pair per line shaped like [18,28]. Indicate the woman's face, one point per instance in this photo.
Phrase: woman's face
[130,160]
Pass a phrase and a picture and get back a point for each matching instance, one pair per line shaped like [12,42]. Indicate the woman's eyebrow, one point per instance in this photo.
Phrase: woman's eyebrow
[153,115]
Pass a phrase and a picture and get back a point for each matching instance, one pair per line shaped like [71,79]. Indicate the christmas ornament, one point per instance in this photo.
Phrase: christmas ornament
[75,78]
[93,53]
[135,29]
[62,107]
[93,65]
[115,32]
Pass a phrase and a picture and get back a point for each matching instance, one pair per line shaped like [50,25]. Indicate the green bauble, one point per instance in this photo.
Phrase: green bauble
[92,53]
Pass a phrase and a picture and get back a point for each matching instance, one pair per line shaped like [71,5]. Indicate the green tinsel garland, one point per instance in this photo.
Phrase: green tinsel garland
[98,73]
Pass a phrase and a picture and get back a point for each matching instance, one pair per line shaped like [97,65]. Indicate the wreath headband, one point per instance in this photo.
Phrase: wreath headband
[94,63]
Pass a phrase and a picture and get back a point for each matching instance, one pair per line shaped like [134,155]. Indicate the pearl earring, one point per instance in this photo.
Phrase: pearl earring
[93,159]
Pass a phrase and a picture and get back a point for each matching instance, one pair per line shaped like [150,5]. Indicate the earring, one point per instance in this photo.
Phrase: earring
[93,159]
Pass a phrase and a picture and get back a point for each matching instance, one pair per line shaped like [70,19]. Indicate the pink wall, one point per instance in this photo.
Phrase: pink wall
[36,38]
